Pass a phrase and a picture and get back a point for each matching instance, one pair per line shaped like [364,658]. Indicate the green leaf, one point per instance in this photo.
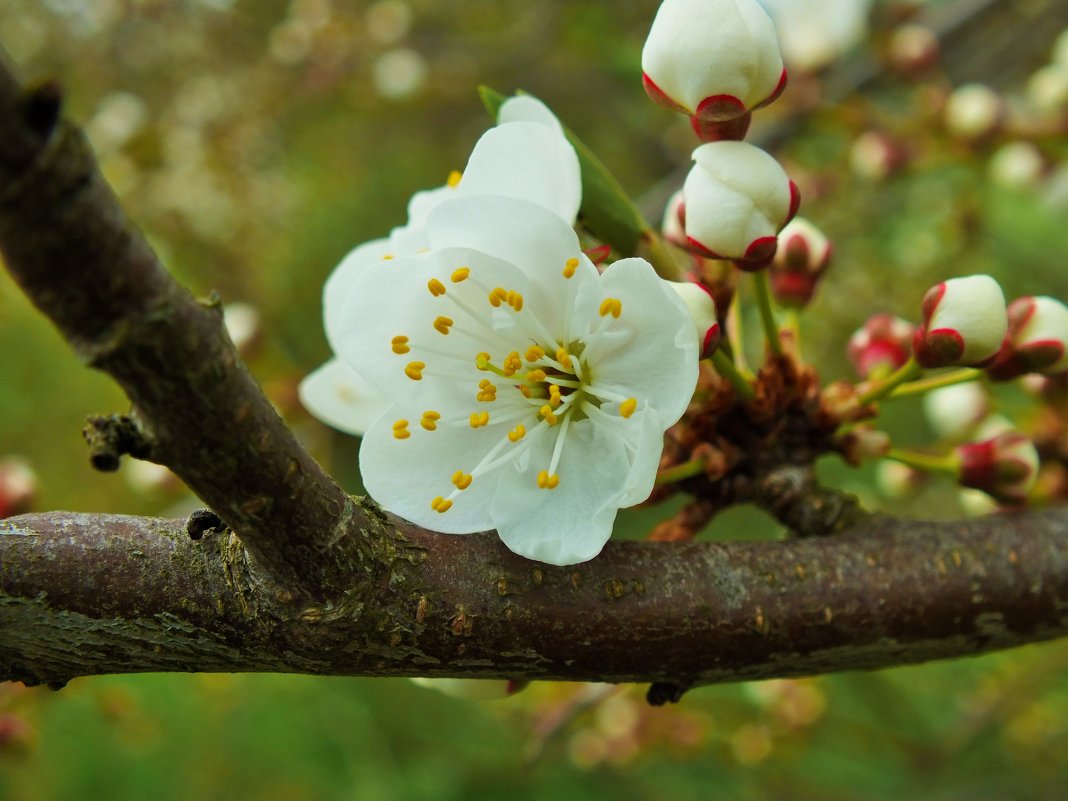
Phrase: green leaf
[606,208]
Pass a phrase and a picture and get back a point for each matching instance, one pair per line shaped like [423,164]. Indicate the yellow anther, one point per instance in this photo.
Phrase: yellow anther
[512,363]
[547,481]
[534,352]
[387,257]
[564,358]
[400,430]
[627,407]
[525,391]
[554,395]
[440,504]
[482,360]
[498,296]
[487,391]
[414,370]
[437,289]
[479,419]
[517,433]
[488,385]
[430,420]
[462,480]
[400,344]
[443,324]
[570,267]
[460,274]
[613,306]
[546,411]
[536,376]
[515,300]
[454,179]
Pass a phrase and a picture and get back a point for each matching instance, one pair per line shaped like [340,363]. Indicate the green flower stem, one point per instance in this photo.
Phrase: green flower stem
[767,316]
[961,376]
[905,372]
[659,255]
[736,335]
[793,324]
[681,472]
[725,367]
[948,465]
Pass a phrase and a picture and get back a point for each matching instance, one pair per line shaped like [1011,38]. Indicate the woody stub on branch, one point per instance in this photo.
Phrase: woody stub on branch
[522,358]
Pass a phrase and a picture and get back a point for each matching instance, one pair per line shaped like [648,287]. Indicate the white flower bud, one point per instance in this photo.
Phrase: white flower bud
[672,227]
[702,308]
[1047,88]
[715,60]
[954,411]
[964,322]
[803,255]
[1004,467]
[973,111]
[1037,341]
[737,198]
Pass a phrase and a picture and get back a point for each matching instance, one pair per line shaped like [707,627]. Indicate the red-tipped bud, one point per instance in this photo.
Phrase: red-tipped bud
[714,60]
[964,322]
[702,308]
[673,226]
[1037,341]
[1004,467]
[883,344]
[802,258]
[736,200]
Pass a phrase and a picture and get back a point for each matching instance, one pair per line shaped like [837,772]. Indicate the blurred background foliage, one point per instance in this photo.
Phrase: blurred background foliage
[257,142]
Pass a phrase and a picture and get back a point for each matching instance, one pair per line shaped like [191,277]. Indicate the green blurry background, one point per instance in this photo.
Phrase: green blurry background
[257,142]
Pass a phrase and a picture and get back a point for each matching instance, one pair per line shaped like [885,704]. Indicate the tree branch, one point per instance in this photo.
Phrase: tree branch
[196,409]
[84,594]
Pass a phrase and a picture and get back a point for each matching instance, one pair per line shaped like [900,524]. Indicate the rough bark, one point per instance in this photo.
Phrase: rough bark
[144,597]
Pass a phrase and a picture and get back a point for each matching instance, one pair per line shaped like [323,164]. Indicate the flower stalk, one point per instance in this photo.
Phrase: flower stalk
[949,379]
[767,314]
[903,374]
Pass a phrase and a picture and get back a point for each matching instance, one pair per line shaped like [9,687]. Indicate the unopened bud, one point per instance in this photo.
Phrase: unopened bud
[1004,467]
[737,198]
[673,226]
[1037,341]
[702,308]
[973,111]
[714,60]
[913,49]
[244,326]
[801,259]
[955,411]
[883,344]
[875,156]
[964,322]
[1047,88]
[1016,165]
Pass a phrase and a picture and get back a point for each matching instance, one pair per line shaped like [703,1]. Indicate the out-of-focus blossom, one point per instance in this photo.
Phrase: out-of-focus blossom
[875,156]
[714,60]
[802,257]
[882,344]
[1047,88]
[973,111]
[1004,467]
[1016,164]
[473,689]
[913,49]
[964,322]
[813,33]
[399,73]
[1037,341]
[736,199]
[18,486]
[955,411]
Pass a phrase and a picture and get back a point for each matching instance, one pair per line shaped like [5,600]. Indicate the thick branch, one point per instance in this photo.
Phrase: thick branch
[83,595]
[68,244]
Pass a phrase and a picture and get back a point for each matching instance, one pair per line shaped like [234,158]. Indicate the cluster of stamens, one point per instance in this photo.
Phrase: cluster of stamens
[546,387]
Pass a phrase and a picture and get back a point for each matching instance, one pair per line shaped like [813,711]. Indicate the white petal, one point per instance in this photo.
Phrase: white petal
[571,523]
[650,351]
[525,108]
[536,241]
[974,306]
[340,397]
[410,238]
[405,475]
[344,276]
[529,161]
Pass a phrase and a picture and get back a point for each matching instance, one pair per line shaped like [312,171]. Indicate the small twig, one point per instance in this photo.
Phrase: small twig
[111,437]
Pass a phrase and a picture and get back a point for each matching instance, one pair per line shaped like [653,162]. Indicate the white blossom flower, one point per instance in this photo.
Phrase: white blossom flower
[526,156]
[715,60]
[736,198]
[964,322]
[529,392]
